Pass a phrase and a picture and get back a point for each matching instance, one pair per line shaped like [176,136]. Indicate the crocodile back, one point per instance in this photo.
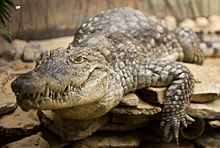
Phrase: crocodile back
[148,34]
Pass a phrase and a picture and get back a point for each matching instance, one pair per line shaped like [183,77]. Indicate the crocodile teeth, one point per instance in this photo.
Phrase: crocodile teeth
[38,95]
[47,92]
[69,88]
[58,95]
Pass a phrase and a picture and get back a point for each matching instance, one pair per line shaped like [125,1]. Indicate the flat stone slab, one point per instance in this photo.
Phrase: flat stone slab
[209,110]
[19,123]
[112,139]
[71,130]
[142,108]
[208,86]
[40,140]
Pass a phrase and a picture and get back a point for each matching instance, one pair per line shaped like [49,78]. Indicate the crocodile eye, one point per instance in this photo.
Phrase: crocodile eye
[79,59]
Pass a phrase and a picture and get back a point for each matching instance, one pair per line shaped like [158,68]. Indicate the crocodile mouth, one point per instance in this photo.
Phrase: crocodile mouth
[70,96]
[48,99]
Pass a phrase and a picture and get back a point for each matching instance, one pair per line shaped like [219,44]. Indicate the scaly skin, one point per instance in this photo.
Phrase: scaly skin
[112,54]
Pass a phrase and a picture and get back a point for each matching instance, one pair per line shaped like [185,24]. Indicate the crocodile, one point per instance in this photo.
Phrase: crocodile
[113,54]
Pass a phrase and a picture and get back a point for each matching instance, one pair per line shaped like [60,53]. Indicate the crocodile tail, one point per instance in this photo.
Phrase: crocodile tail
[209,43]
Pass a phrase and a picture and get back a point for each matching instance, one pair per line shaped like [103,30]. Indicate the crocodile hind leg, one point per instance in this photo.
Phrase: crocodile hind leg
[190,43]
[180,86]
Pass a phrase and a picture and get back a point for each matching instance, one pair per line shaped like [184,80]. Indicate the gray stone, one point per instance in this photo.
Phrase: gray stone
[31,52]
[69,129]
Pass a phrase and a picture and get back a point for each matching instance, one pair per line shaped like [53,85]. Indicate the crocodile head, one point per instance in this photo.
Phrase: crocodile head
[63,78]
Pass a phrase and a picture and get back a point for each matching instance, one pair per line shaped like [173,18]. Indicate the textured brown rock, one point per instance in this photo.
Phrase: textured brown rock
[112,139]
[208,110]
[71,129]
[130,100]
[142,108]
[19,123]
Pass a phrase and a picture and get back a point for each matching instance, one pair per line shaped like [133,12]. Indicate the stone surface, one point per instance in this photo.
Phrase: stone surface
[208,110]
[7,107]
[19,123]
[130,100]
[42,139]
[31,52]
[71,129]
[207,87]
[142,108]
[32,141]
[112,139]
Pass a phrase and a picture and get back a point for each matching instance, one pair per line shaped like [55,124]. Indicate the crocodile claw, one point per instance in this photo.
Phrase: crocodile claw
[174,124]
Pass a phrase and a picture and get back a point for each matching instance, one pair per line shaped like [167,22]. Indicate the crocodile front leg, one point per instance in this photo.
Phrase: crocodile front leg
[137,74]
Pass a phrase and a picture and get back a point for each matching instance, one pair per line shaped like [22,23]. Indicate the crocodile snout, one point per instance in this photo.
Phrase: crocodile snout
[28,83]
